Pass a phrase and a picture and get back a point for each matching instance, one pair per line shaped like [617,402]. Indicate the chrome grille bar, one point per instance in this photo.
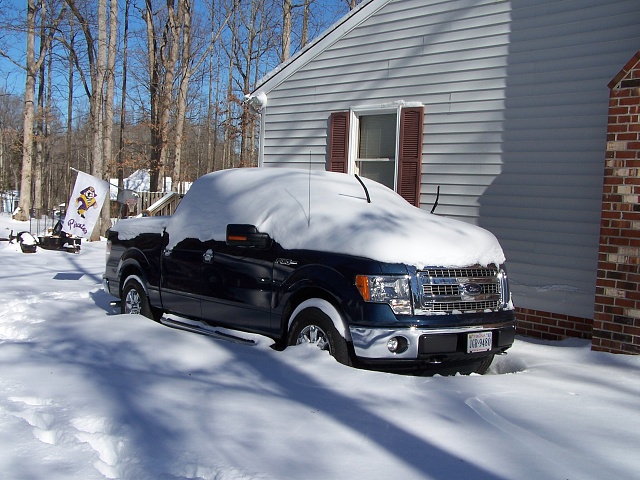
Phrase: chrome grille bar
[460,289]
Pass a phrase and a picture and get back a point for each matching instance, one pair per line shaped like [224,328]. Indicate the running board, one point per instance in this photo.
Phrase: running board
[205,330]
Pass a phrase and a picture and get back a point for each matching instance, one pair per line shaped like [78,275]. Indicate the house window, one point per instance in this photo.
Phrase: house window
[376,157]
[387,151]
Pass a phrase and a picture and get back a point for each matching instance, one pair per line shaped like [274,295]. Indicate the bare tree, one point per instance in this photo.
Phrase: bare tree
[41,119]
[31,68]
[10,126]
[306,13]
[190,63]
[287,13]
[107,134]
[24,204]
[163,52]
[101,59]
[123,96]
[159,113]
[70,93]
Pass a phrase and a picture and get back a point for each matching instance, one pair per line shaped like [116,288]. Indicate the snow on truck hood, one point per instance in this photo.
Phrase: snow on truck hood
[328,212]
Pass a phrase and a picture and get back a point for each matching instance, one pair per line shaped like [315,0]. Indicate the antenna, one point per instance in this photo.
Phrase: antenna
[309,193]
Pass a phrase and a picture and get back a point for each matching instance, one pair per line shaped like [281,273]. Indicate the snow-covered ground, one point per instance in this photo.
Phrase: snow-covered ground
[87,394]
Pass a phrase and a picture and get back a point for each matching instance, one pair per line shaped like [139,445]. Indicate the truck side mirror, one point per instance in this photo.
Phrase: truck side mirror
[239,235]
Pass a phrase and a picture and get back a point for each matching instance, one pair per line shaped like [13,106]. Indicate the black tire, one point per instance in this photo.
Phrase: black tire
[134,300]
[484,365]
[312,325]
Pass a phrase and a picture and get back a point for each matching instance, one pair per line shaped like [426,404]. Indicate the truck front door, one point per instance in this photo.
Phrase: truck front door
[237,286]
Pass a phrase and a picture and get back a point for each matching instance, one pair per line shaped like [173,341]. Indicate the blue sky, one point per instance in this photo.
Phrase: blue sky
[12,77]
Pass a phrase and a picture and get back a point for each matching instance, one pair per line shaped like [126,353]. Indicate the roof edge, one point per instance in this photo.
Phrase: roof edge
[625,70]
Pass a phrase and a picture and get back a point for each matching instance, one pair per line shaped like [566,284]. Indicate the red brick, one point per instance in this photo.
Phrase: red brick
[627,136]
[631,330]
[623,110]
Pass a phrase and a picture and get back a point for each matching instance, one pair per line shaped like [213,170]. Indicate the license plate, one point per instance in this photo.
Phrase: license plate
[479,342]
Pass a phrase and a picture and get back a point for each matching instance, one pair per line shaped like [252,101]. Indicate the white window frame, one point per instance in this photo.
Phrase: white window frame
[354,130]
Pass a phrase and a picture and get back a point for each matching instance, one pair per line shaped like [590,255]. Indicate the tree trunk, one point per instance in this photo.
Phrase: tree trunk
[40,126]
[123,97]
[154,96]
[97,112]
[304,37]
[287,8]
[162,59]
[185,77]
[107,139]
[68,186]
[209,131]
[24,204]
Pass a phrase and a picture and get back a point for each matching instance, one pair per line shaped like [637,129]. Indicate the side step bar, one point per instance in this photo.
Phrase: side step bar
[203,329]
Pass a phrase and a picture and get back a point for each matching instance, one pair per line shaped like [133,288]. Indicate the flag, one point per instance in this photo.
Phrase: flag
[83,209]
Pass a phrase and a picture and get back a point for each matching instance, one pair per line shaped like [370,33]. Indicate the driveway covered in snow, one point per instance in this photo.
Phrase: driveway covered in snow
[87,394]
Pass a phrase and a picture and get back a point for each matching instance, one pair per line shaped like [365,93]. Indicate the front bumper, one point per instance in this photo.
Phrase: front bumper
[431,345]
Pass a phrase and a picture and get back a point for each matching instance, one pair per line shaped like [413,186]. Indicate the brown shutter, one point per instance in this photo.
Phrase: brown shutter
[410,161]
[339,142]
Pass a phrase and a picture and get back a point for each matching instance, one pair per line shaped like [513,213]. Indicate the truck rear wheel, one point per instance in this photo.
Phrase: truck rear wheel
[134,300]
[311,325]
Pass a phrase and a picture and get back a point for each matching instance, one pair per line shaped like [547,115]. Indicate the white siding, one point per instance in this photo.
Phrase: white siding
[516,99]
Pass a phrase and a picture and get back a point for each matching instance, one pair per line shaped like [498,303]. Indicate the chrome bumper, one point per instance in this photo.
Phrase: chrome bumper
[372,342]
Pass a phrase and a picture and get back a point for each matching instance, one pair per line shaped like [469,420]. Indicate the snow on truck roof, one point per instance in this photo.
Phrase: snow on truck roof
[325,211]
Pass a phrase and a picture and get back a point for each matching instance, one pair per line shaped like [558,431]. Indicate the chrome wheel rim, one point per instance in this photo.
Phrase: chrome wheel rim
[314,335]
[132,302]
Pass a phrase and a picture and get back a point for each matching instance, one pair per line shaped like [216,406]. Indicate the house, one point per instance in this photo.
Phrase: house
[502,106]
[9,201]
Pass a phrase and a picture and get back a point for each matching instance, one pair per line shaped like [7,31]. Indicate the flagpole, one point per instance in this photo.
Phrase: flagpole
[78,171]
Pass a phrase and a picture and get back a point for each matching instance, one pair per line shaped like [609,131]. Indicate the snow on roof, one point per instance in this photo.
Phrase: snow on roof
[328,212]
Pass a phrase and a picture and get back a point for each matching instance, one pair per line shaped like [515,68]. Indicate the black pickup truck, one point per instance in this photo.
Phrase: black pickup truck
[332,259]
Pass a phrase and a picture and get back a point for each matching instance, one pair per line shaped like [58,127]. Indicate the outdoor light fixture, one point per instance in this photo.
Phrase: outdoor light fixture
[256,102]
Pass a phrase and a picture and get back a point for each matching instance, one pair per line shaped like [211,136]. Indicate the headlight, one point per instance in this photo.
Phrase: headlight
[393,290]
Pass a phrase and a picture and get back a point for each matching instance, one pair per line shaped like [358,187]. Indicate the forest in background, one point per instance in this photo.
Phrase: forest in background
[111,86]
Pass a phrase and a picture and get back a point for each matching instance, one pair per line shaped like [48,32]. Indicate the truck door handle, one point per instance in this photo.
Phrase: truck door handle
[207,257]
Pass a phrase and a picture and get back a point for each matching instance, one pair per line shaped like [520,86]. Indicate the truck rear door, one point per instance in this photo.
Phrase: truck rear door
[181,285]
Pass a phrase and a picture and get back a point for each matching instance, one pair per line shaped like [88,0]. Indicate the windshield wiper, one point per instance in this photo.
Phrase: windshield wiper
[435,204]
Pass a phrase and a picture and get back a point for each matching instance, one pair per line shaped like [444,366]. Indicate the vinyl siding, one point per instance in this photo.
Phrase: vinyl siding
[515,96]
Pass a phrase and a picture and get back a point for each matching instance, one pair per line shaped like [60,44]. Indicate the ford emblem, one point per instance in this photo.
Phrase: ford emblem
[471,289]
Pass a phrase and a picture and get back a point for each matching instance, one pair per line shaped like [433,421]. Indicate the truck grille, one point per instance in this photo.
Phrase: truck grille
[461,289]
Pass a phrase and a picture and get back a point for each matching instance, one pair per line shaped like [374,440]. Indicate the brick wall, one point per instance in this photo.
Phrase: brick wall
[616,324]
[551,326]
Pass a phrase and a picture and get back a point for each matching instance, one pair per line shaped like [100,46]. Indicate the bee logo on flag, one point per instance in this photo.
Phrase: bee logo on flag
[86,200]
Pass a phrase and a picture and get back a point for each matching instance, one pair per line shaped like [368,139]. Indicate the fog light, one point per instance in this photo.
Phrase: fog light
[397,344]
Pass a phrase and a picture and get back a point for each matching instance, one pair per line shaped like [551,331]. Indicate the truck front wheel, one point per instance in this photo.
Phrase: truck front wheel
[311,325]
[134,300]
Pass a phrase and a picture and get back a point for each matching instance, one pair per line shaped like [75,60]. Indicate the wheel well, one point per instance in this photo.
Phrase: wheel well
[300,296]
[128,271]
[320,299]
